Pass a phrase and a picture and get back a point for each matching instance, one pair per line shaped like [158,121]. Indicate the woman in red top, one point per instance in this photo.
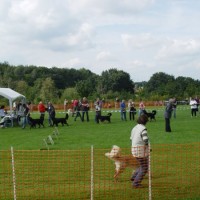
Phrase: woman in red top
[41,109]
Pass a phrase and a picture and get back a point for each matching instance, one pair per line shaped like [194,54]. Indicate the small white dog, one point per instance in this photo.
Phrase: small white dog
[121,161]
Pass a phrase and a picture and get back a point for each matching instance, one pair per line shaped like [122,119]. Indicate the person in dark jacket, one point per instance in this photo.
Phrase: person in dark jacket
[85,108]
[168,114]
[52,113]
[26,114]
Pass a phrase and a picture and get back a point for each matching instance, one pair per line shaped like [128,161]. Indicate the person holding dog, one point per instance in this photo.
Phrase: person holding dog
[52,113]
[26,114]
[41,109]
[140,150]
[97,111]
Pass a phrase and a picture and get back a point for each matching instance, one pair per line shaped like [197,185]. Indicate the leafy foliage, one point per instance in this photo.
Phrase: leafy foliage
[56,84]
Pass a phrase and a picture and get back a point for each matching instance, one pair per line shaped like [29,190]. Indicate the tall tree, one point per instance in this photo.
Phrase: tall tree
[48,90]
[160,83]
[116,80]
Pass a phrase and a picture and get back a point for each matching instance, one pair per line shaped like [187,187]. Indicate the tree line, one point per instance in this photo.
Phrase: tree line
[56,84]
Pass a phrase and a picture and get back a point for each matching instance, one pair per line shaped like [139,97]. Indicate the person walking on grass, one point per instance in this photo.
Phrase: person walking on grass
[140,150]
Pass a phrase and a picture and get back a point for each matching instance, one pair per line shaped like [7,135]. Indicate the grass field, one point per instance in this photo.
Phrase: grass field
[64,172]
[84,134]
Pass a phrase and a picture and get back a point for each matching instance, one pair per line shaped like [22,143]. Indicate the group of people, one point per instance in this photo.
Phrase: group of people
[80,109]
[23,112]
[50,109]
[131,110]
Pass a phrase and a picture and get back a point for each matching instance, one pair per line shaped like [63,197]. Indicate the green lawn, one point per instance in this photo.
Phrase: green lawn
[65,174]
[84,134]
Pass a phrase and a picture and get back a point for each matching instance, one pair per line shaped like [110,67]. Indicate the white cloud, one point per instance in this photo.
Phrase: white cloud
[179,49]
[143,40]
[105,56]
[133,35]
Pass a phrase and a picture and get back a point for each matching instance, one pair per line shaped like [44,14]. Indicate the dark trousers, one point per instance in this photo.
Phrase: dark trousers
[87,116]
[140,172]
[194,112]
[97,116]
[167,125]
[78,114]
[131,115]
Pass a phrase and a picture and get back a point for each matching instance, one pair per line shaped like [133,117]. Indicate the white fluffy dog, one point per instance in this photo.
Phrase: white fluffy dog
[121,161]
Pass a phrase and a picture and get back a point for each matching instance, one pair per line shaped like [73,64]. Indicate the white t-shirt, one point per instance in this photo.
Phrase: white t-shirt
[193,104]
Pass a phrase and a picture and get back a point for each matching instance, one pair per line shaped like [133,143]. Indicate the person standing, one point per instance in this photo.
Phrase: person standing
[75,106]
[65,105]
[193,105]
[140,150]
[132,110]
[123,110]
[78,114]
[168,114]
[41,109]
[52,113]
[85,109]
[141,107]
[26,114]
[97,112]
[174,107]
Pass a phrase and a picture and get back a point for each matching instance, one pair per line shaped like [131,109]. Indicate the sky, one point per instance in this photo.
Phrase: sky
[140,37]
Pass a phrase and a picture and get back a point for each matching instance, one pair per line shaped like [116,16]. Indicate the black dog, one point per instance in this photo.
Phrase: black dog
[151,115]
[63,120]
[105,118]
[34,122]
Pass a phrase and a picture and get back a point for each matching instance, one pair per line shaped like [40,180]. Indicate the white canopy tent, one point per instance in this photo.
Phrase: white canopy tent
[11,95]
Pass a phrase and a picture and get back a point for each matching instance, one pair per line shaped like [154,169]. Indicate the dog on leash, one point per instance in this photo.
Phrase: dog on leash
[61,120]
[34,122]
[105,118]
[121,161]
[151,115]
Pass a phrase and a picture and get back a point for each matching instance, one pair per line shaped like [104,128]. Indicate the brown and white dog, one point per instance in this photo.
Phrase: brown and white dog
[121,161]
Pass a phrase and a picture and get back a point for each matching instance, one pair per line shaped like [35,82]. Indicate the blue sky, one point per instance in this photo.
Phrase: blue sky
[140,37]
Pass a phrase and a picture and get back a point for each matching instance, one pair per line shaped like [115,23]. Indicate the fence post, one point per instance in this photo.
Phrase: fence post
[92,173]
[150,194]
[13,173]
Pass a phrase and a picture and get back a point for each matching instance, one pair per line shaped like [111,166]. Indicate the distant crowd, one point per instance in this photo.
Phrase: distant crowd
[78,108]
